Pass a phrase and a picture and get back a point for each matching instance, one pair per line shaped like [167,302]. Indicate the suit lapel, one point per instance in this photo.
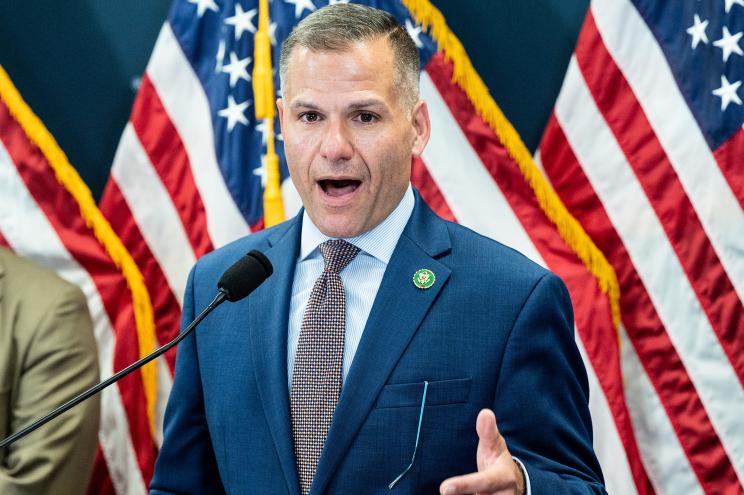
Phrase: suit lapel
[396,314]
[269,307]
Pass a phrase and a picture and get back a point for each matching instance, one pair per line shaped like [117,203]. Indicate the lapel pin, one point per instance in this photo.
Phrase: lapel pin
[424,278]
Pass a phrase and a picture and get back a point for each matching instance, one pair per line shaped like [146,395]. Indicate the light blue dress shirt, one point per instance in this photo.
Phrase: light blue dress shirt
[362,278]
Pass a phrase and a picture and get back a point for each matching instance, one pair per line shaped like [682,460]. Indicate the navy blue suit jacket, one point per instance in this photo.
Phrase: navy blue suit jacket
[495,331]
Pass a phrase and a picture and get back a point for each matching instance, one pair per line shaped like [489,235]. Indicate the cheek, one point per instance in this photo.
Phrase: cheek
[299,150]
[391,158]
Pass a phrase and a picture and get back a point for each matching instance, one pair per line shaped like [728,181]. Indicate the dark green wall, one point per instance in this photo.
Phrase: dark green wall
[76,62]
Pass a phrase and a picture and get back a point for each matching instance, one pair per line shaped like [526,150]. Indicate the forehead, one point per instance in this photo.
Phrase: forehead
[362,66]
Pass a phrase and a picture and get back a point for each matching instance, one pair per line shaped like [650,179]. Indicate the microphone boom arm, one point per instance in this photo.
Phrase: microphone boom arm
[221,296]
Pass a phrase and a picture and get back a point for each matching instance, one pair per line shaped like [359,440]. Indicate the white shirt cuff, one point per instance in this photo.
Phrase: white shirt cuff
[527,487]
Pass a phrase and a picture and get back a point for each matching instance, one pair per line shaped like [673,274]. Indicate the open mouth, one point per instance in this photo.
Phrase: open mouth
[338,188]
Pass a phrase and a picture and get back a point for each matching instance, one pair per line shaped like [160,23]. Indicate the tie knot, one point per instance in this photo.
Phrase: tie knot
[337,254]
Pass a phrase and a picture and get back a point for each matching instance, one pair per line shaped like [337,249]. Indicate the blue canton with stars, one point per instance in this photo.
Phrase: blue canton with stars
[217,39]
[703,40]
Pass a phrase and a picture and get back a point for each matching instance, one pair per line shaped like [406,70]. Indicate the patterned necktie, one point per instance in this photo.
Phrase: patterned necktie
[316,381]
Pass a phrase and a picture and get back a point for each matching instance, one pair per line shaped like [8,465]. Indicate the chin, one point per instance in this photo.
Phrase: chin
[339,228]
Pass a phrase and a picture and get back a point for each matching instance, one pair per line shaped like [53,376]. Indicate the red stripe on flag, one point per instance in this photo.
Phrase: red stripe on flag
[592,312]
[259,225]
[166,310]
[644,327]
[730,156]
[655,173]
[166,151]
[64,215]
[3,241]
[100,479]
[423,181]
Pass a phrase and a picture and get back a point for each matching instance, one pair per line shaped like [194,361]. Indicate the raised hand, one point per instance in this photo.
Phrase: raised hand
[498,473]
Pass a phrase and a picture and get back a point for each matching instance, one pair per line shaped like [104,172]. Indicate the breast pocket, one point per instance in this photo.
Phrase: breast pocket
[438,393]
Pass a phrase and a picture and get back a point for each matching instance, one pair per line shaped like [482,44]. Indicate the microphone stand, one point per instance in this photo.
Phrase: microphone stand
[218,299]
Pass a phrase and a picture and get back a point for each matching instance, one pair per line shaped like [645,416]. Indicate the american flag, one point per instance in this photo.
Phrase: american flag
[646,148]
[190,171]
[47,214]
[189,176]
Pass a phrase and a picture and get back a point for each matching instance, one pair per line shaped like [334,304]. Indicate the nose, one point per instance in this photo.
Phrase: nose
[336,145]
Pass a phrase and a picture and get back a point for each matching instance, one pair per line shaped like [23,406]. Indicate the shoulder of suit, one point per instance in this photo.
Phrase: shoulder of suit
[221,258]
[21,278]
[490,255]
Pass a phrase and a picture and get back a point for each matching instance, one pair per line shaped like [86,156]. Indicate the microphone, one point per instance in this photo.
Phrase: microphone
[242,278]
[245,275]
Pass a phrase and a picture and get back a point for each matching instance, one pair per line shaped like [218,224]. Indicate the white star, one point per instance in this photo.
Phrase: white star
[261,171]
[263,128]
[234,112]
[220,57]
[242,21]
[272,33]
[697,31]
[731,3]
[203,5]
[237,69]
[729,43]
[301,5]
[414,32]
[727,93]
[334,2]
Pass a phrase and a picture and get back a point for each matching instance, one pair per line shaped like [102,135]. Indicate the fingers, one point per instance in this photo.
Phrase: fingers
[495,468]
[492,481]
[491,444]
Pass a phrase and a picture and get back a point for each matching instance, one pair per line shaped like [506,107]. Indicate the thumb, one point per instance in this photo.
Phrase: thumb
[491,444]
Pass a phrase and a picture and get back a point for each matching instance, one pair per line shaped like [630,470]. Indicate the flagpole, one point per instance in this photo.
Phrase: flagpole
[263,92]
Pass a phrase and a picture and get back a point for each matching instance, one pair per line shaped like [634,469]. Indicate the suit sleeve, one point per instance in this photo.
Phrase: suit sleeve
[541,401]
[186,463]
[60,361]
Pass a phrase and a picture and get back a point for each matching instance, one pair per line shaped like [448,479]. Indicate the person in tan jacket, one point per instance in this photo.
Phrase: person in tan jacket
[47,355]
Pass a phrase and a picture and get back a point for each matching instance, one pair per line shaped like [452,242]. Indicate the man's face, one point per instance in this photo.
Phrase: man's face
[347,136]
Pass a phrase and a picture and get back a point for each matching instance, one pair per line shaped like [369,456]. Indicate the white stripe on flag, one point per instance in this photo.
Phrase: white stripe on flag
[30,234]
[291,198]
[666,463]
[638,226]
[153,210]
[184,99]
[471,193]
[607,444]
[165,384]
[634,49]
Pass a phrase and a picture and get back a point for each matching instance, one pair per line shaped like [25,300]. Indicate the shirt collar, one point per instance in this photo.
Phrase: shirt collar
[379,242]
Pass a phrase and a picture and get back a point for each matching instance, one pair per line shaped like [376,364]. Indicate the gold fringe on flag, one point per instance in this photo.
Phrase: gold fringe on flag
[68,177]
[465,76]
[263,94]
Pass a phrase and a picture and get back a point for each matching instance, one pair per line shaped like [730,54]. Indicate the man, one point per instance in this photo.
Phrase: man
[362,364]
[47,355]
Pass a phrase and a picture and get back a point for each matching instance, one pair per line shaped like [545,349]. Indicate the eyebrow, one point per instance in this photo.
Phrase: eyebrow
[366,104]
[303,104]
[354,106]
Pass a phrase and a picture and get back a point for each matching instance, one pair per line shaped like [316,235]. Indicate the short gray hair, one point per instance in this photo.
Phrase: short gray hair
[337,27]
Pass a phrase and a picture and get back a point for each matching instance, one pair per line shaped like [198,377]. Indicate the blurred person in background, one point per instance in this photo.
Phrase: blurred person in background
[47,355]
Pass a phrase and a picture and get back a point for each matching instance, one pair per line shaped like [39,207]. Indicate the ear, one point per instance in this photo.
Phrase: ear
[421,126]
[280,108]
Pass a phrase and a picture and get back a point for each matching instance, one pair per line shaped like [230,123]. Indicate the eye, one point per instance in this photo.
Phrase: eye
[309,117]
[367,117]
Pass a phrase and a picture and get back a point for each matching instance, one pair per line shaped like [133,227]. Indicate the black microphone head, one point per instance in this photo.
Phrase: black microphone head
[245,275]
